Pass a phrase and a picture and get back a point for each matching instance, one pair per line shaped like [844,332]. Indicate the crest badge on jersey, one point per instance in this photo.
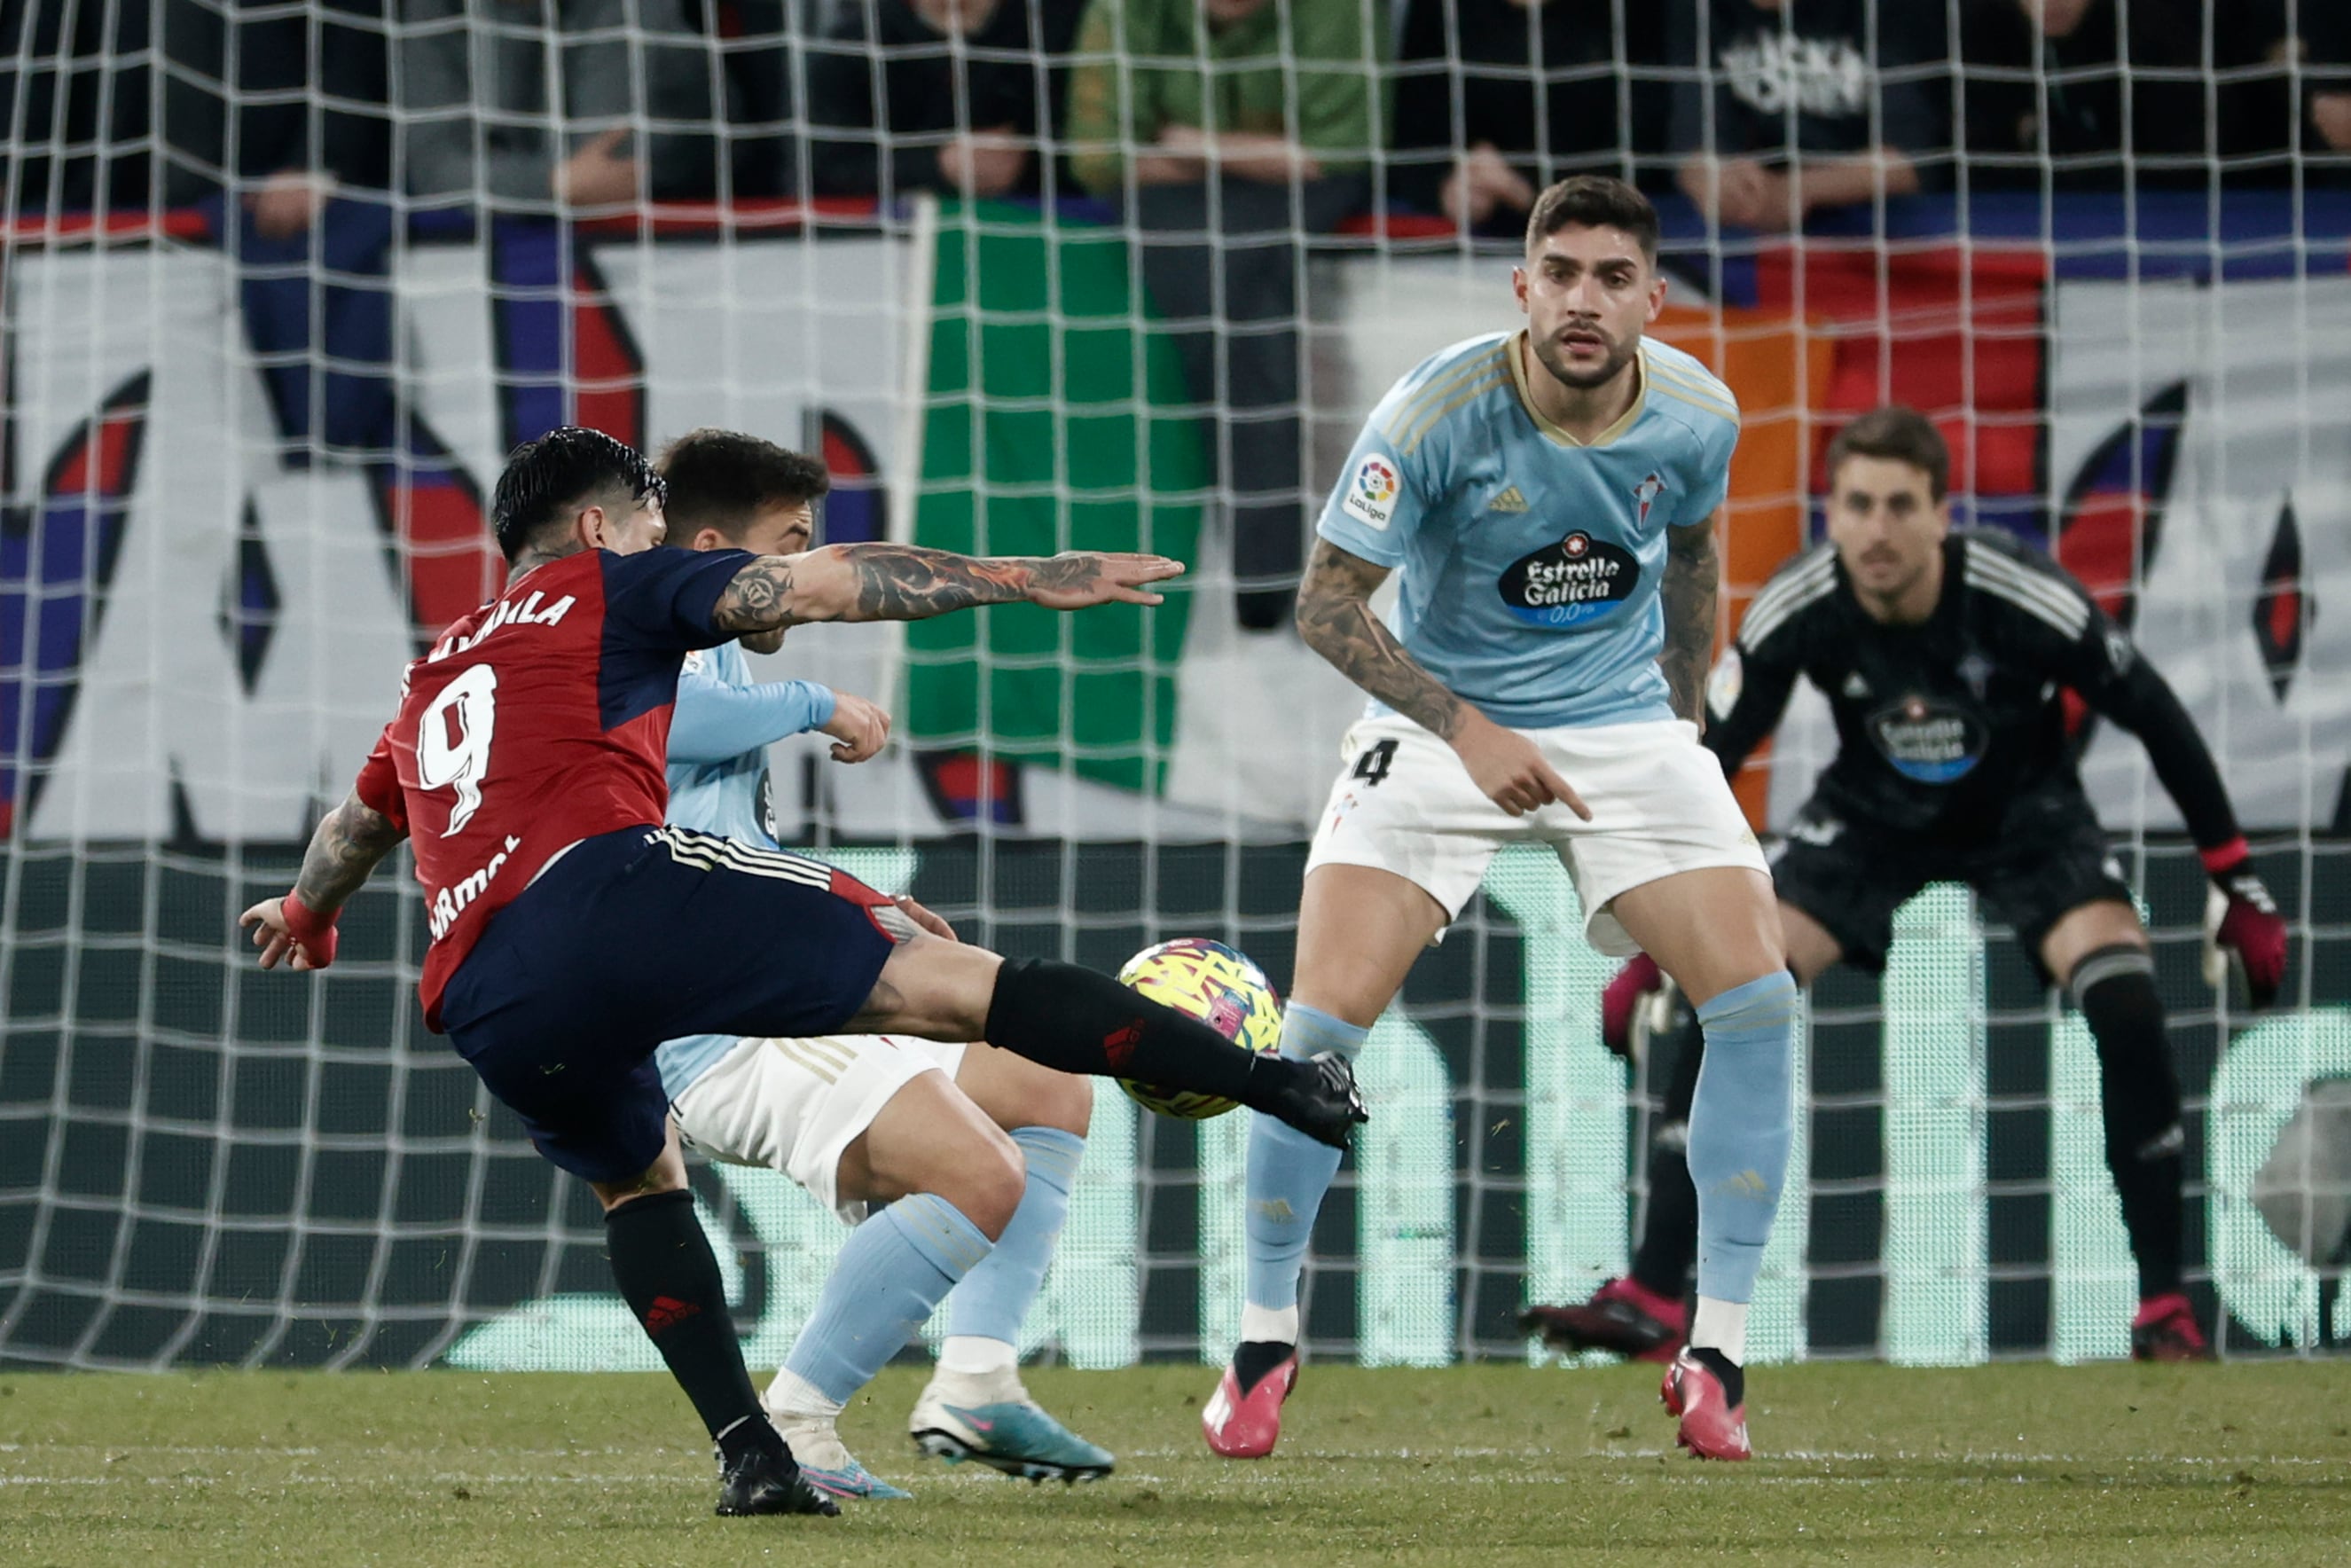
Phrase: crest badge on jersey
[1371,493]
[1647,492]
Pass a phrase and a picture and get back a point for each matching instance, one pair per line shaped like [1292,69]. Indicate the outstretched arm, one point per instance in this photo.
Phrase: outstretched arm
[1335,619]
[907,582]
[1693,580]
[349,842]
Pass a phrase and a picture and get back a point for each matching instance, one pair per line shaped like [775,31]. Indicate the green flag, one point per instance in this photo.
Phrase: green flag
[1041,435]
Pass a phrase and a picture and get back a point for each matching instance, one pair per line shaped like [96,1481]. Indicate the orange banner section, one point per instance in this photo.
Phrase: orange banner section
[1781,374]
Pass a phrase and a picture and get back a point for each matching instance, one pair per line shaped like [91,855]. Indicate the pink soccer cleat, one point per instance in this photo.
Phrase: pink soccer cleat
[1246,1425]
[1624,1316]
[1712,1427]
[2166,1330]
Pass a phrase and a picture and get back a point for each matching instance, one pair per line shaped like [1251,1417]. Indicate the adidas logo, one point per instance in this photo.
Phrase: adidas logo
[668,1312]
[1854,686]
[1509,500]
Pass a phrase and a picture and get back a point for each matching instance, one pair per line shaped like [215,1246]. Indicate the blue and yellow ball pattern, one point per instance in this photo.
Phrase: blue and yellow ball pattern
[1221,987]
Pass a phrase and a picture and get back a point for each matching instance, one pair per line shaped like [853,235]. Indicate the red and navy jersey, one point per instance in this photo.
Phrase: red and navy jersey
[540,719]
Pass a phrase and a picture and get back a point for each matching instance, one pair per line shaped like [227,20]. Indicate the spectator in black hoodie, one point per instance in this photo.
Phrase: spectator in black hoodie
[1796,105]
[953,91]
[2086,89]
[1497,99]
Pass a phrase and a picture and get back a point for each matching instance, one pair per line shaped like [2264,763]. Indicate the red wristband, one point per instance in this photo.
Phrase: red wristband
[2223,858]
[304,924]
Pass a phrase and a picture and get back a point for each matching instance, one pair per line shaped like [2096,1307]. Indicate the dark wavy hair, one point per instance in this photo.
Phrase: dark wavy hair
[546,481]
[1595,201]
[1901,434]
[723,479]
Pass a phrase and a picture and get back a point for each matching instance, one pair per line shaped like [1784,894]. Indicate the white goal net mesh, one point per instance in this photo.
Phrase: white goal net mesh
[280,284]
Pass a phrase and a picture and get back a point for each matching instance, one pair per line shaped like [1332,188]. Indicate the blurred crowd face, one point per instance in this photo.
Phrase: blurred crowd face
[957,17]
[2056,18]
[1225,13]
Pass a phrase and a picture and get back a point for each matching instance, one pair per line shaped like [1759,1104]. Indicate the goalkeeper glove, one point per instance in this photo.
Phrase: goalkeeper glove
[2242,923]
[313,932]
[1633,1006]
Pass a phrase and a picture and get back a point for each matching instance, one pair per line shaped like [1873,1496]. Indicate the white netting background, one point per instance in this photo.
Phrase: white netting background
[250,418]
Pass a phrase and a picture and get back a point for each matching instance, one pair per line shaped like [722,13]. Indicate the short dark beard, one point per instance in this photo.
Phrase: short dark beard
[1618,357]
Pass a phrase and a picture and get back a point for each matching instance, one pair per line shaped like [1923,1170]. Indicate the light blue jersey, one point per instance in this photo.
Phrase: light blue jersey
[1531,561]
[719,733]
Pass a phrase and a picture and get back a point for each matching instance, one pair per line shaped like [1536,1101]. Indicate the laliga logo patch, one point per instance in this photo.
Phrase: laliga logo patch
[1578,579]
[1371,496]
[1648,491]
[1929,742]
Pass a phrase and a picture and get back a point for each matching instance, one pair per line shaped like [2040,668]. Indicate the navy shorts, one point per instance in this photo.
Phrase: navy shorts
[639,936]
[2051,858]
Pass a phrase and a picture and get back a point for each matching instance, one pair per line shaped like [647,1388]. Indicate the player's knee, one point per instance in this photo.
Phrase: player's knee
[1063,1101]
[989,1183]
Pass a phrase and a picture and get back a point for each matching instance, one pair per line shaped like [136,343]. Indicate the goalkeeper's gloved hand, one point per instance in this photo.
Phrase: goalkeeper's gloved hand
[1627,1006]
[314,933]
[2241,923]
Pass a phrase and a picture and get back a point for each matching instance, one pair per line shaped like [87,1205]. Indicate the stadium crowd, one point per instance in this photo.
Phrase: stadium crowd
[1760,109]
[1223,136]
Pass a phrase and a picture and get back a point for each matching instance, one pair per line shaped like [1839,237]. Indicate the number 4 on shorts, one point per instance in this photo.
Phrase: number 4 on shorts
[1374,765]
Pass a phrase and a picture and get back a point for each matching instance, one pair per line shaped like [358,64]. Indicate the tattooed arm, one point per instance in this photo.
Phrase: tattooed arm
[906,582]
[1693,580]
[1335,619]
[349,842]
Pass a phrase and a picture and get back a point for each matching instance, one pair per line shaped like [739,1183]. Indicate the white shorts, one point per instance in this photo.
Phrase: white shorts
[796,1105]
[1659,806]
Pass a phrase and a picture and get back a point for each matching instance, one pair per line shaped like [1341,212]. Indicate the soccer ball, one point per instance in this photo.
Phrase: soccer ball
[1222,988]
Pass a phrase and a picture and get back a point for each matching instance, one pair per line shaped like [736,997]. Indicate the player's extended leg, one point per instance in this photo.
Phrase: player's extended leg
[1359,930]
[1717,932]
[668,1275]
[1644,1315]
[1077,1020]
[975,1406]
[951,1180]
[2099,951]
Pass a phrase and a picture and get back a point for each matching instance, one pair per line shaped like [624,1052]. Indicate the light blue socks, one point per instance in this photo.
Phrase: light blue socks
[997,1295]
[893,1270]
[1288,1174]
[1740,1128]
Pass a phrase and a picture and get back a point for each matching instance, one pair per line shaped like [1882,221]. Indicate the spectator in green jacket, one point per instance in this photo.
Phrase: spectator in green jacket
[1225,129]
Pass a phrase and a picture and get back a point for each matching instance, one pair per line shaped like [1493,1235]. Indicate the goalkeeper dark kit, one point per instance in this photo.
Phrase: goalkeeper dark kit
[1957,745]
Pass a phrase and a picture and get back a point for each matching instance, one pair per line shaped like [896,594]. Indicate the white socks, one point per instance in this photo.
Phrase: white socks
[792,1394]
[1721,1325]
[975,1356]
[1279,1324]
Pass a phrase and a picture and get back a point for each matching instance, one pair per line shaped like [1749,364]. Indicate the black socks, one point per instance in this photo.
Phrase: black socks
[1075,1019]
[669,1276]
[2138,1092]
[1668,1241]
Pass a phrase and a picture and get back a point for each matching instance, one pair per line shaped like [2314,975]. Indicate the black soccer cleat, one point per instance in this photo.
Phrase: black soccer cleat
[1320,1100]
[769,1482]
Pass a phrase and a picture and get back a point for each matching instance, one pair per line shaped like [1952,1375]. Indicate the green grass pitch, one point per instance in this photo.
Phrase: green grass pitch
[1486,1466]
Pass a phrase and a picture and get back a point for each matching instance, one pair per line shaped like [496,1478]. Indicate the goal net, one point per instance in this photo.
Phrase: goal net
[252,416]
